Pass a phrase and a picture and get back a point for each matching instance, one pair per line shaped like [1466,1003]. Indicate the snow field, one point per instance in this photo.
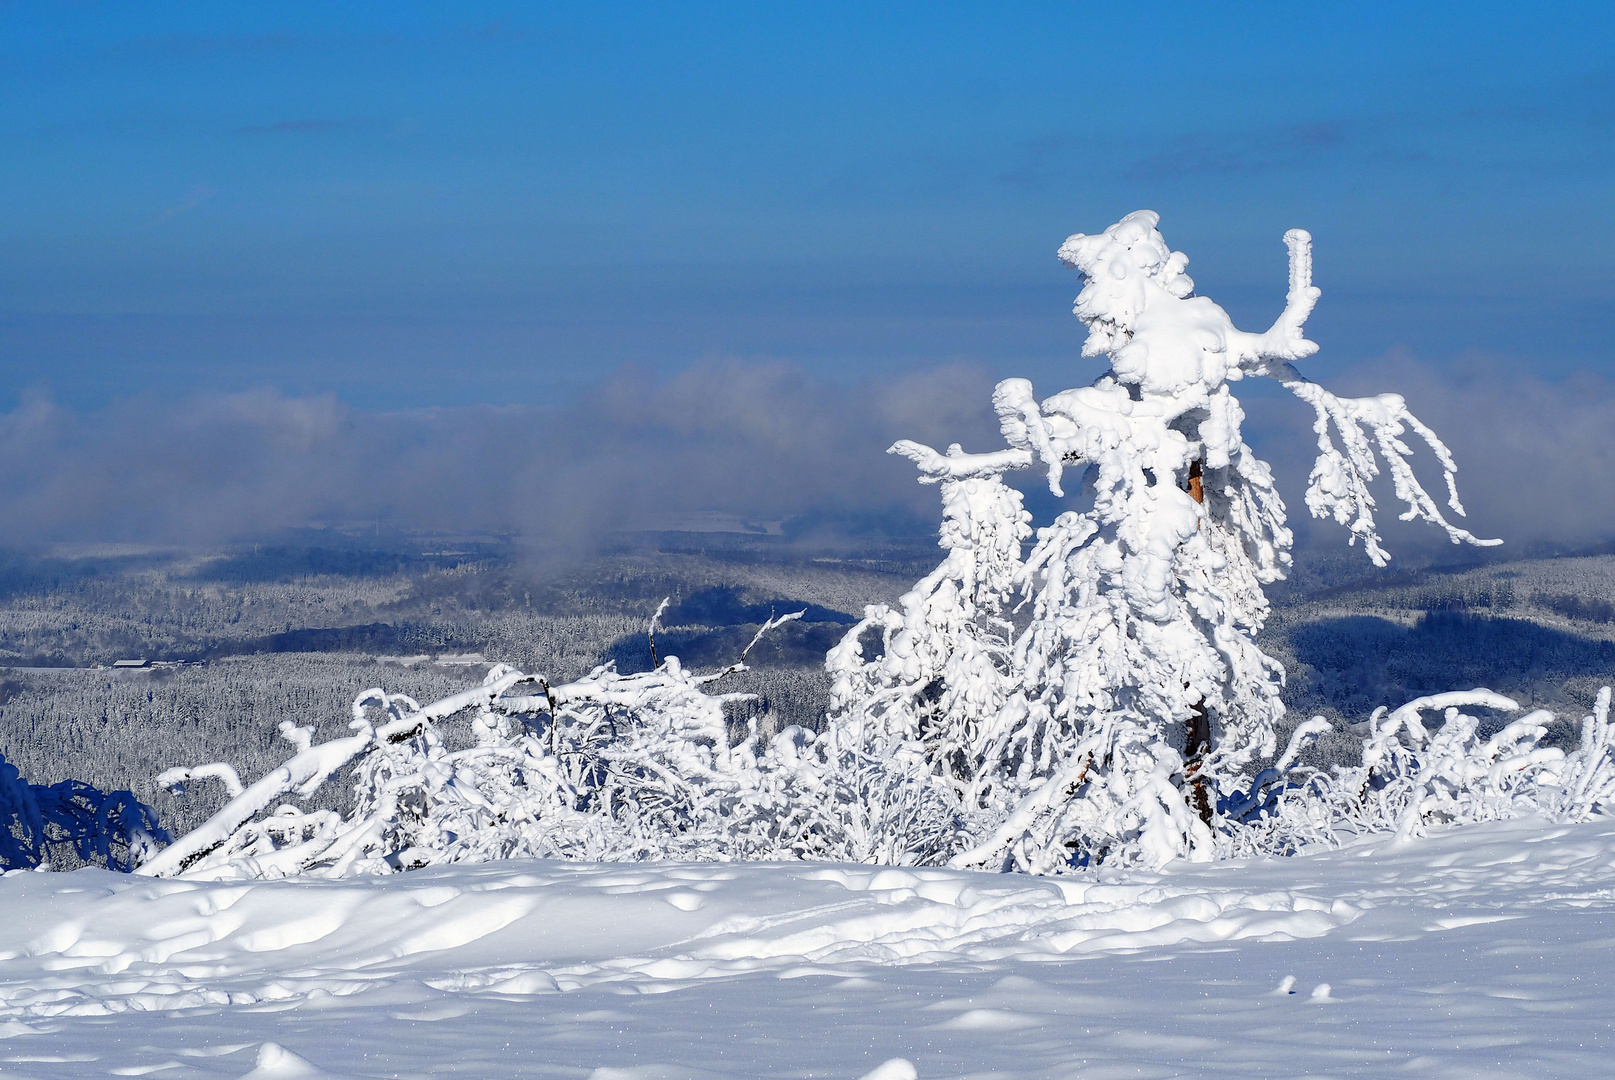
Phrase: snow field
[1483,951]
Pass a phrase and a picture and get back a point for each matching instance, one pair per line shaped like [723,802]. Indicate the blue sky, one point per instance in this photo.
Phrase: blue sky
[219,211]
[441,204]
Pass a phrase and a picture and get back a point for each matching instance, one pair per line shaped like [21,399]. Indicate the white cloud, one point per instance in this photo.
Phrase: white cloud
[760,440]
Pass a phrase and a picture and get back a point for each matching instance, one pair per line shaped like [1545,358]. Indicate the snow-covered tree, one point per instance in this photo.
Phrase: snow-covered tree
[1107,728]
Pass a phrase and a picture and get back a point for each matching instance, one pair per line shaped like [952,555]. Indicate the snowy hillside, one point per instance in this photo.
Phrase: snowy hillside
[1349,644]
[1483,951]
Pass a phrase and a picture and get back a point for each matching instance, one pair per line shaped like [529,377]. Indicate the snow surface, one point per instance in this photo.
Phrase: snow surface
[1478,952]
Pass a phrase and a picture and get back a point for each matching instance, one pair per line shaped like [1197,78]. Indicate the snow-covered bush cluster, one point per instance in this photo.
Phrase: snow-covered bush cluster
[40,821]
[1099,698]
[618,767]
[607,767]
[1413,777]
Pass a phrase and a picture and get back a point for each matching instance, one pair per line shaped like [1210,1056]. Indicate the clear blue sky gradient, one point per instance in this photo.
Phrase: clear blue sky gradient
[413,204]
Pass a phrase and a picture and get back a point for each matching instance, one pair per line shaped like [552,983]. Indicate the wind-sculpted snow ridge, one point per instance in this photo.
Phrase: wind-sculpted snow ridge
[107,943]
[537,927]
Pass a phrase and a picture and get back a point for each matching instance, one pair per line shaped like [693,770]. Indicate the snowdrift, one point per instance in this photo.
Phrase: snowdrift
[1482,951]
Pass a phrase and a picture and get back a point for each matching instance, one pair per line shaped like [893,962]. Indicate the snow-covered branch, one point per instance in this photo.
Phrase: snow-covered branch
[1287,339]
[1339,485]
[176,779]
[300,775]
[958,465]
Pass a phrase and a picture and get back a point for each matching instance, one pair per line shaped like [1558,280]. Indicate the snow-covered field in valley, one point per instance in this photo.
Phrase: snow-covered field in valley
[1480,952]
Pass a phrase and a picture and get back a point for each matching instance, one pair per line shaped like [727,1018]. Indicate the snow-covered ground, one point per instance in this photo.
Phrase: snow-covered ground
[1487,951]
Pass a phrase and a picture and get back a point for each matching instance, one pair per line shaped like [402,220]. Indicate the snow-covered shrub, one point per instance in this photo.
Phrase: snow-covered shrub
[607,767]
[639,767]
[853,795]
[1413,778]
[111,829]
[1108,727]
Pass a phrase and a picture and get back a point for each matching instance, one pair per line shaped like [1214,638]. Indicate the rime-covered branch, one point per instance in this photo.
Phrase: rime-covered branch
[1339,485]
[955,464]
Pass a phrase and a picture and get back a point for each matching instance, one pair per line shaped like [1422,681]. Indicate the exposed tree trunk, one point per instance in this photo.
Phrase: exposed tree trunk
[1197,729]
[1197,488]
[1197,740]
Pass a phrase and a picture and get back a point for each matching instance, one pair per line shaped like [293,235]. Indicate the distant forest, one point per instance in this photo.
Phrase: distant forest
[251,636]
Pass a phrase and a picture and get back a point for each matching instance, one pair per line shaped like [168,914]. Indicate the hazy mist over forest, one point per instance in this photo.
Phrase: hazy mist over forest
[762,440]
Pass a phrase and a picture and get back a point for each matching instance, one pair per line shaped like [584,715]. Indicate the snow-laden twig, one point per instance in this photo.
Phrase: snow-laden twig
[650,631]
[176,779]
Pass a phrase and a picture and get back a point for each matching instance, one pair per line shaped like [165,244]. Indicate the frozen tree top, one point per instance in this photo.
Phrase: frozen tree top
[1140,308]
[1166,402]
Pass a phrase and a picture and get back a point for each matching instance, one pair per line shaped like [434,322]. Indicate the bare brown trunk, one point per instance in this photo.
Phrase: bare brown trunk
[1197,489]
[1197,729]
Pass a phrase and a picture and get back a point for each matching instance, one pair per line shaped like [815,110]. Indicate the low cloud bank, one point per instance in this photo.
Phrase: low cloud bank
[758,440]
